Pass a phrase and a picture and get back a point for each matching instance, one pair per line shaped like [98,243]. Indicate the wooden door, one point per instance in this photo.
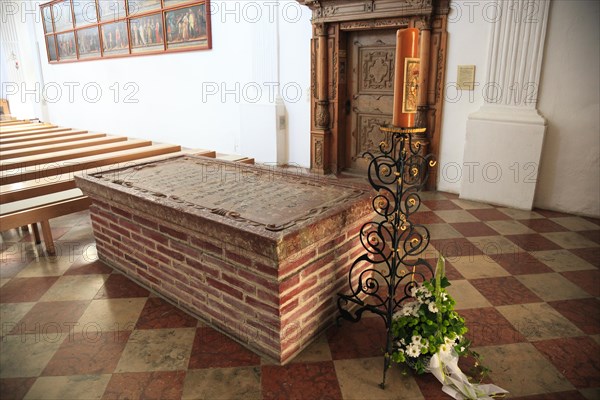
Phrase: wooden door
[371,56]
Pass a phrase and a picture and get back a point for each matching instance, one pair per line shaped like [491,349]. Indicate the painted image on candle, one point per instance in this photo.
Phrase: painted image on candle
[411,82]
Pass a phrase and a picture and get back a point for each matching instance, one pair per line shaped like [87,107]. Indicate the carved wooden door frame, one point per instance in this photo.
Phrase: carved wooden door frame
[332,21]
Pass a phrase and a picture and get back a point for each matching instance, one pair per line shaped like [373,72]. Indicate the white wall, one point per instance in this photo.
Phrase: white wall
[214,99]
[570,100]
[468,37]
[569,175]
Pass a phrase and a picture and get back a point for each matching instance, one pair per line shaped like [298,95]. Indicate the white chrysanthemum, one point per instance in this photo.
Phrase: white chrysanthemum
[448,341]
[415,311]
[444,296]
[413,350]
[445,348]
[417,339]
[406,311]
[432,307]
[413,291]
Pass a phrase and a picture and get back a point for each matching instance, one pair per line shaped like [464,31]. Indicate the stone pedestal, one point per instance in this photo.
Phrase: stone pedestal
[504,139]
[502,155]
[255,252]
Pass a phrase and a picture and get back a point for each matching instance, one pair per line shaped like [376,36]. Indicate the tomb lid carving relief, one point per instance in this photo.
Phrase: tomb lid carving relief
[348,10]
[255,196]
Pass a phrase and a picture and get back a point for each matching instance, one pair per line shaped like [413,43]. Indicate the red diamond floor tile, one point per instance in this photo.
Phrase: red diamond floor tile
[210,346]
[19,290]
[451,272]
[301,381]
[158,385]
[159,314]
[505,290]
[456,248]
[471,229]
[489,214]
[584,313]
[520,263]
[430,387]
[533,242]
[594,236]
[426,217]
[119,286]
[82,267]
[487,327]
[591,255]
[578,359]
[543,225]
[588,280]
[15,388]
[365,338]
[89,352]
[59,316]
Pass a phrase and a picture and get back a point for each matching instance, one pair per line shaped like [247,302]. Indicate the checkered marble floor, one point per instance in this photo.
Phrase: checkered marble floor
[527,283]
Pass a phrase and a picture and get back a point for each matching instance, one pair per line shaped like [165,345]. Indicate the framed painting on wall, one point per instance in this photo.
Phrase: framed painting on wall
[62,16]
[137,7]
[114,38]
[186,27]
[146,33]
[88,42]
[66,46]
[111,10]
[85,12]
[93,29]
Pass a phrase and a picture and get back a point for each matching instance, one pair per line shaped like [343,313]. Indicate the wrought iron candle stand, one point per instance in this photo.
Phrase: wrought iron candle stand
[381,279]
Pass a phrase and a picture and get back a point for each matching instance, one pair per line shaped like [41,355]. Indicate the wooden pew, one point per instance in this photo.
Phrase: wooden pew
[13,122]
[47,158]
[34,132]
[51,148]
[42,209]
[21,139]
[32,128]
[75,136]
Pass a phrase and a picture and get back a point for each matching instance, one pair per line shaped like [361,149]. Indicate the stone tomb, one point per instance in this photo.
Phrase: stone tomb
[259,253]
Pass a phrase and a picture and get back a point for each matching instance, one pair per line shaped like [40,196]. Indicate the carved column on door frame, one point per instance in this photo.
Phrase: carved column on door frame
[322,116]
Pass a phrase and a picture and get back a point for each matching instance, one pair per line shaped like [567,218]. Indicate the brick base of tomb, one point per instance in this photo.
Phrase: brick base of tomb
[273,291]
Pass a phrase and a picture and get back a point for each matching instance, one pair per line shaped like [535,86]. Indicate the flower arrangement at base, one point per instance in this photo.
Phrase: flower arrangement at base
[429,337]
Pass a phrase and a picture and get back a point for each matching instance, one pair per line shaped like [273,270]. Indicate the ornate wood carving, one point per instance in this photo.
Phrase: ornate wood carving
[331,67]
[377,67]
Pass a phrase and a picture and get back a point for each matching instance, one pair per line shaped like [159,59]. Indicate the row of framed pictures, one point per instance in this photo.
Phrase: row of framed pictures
[133,28]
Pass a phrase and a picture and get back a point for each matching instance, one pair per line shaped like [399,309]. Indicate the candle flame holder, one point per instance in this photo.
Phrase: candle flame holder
[380,279]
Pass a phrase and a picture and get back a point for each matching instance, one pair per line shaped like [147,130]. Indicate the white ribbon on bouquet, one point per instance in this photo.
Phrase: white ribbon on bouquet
[444,366]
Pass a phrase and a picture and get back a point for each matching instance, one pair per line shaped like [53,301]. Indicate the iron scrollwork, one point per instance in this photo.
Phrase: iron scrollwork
[382,277]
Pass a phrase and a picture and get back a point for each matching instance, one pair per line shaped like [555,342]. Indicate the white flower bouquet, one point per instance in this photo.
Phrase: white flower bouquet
[429,337]
[428,324]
